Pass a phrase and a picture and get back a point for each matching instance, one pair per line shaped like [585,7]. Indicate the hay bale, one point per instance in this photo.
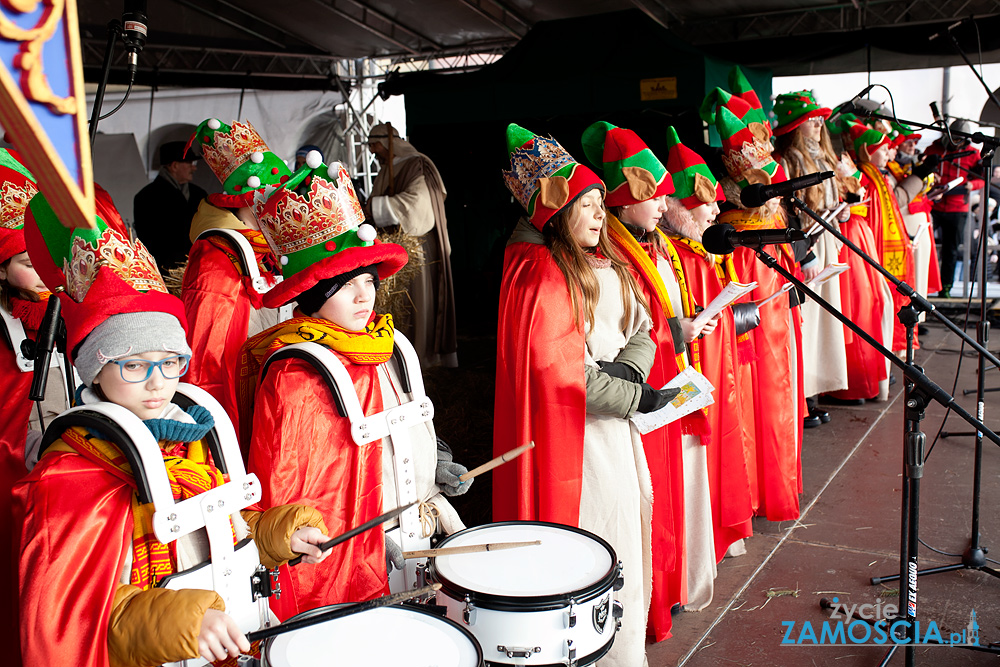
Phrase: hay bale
[393,295]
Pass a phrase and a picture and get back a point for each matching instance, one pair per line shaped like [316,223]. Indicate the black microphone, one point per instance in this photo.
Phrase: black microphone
[947,30]
[957,156]
[851,105]
[755,195]
[134,31]
[48,331]
[936,114]
[722,239]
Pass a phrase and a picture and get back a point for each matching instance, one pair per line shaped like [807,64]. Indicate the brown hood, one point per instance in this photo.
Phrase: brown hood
[212,217]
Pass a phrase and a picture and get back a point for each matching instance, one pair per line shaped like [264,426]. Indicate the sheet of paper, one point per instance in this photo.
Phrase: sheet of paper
[784,288]
[830,272]
[921,230]
[818,229]
[696,393]
[730,293]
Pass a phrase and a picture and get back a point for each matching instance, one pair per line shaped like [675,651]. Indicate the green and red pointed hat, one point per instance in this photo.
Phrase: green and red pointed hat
[631,172]
[793,109]
[902,132]
[543,176]
[741,88]
[746,146]
[694,183]
[96,272]
[17,187]
[319,234]
[865,138]
[240,159]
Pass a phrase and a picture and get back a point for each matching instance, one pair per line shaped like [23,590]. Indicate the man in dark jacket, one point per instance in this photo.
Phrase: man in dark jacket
[164,208]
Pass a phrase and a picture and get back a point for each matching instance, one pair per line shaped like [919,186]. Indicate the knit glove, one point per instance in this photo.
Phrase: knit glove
[620,370]
[654,399]
[448,472]
[929,164]
[393,555]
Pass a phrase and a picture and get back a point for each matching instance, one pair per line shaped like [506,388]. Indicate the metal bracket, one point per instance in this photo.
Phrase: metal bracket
[571,615]
[260,583]
[519,651]
[469,612]
[570,654]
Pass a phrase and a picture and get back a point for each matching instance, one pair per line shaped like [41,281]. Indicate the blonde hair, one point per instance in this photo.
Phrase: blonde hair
[795,142]
[584,290]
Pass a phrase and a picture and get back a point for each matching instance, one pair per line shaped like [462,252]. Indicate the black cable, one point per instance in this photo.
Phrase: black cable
[128,91]
[938,551]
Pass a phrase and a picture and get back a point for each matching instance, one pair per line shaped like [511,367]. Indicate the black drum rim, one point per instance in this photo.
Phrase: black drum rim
[480,660]
[521,603]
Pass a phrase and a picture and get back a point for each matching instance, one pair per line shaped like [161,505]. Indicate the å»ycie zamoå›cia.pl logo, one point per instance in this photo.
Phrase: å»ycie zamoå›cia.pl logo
[874,625]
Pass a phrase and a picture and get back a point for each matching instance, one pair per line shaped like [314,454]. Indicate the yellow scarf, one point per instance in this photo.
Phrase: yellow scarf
[190,473]
[892,244]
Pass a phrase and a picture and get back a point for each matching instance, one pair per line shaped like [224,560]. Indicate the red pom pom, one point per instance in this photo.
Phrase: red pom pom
[237,187]
[284,178]
[330,246]
[274,170]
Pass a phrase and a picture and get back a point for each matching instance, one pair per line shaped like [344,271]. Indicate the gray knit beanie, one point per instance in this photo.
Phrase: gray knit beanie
[128,334]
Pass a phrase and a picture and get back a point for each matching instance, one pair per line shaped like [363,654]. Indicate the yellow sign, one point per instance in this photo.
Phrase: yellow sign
[658,89]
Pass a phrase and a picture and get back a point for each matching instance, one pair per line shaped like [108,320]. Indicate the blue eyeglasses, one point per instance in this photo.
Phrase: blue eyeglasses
[139,370]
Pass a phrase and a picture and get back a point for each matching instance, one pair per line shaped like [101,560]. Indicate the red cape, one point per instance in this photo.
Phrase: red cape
[731,418]
[217,307]
[665,461]
[307,456]
[70,507]
[13,430]
[778,434]
[862,302]
[540,392]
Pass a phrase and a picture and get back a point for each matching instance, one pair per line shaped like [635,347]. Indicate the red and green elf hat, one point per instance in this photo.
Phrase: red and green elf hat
[746,147]
[319,234]
[864,138]
[543,177]
[96,272]
[741,88]
[793,109]
[902,132]
[240,159]
[694,183]
[632,173]
[17,187]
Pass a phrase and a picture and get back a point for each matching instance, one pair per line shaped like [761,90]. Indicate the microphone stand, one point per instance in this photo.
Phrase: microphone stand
[919,392]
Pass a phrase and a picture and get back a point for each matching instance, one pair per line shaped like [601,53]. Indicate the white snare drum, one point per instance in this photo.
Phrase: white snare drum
[380,637]
[551,604]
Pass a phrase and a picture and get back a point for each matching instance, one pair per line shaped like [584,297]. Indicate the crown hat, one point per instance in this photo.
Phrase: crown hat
[320,234]
[793,109]
[694,183]
[240,159]
[746,146]
[17,187]
[97,272]
[631,172]
[741,87]
[543,177]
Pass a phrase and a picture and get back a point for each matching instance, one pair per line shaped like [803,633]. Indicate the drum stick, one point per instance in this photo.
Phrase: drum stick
[340,612]
[468,549]
[326,546]
[498,461]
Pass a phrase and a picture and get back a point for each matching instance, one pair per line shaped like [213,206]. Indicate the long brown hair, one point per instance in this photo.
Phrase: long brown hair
[792,146]
[572,261]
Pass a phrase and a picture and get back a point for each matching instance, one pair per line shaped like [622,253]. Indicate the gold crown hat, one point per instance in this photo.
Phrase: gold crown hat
[240,159]
[320,233]
[98,272]
[17,187]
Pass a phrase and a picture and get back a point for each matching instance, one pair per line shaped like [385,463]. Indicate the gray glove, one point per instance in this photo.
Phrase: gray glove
[448,472]
[393,555]
[746,316]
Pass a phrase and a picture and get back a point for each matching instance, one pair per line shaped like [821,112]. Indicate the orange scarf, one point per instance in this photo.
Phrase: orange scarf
[885,213]
[373,345]
[190,473]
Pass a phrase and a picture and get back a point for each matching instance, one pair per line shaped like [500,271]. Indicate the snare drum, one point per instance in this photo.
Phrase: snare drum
[551,604]
[380,637]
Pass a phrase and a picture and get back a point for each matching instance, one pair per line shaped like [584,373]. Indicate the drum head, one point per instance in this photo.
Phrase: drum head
[568,560]
[381,637]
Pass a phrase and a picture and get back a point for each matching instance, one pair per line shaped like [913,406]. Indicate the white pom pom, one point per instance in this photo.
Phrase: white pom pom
[253,182]
[214,124]
[332,171]
[314,159]
[366,233]
[283,261]
[256,157]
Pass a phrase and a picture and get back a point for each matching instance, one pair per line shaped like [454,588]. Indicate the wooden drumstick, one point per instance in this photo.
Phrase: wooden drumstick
[498,461]
[468,549]
[340,612]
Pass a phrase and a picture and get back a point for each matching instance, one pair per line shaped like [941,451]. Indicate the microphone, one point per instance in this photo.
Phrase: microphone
[48,332]
[722,239]
[758,193]
[956,156]
[947,30]
[851,105]
[134,31]
[936,114]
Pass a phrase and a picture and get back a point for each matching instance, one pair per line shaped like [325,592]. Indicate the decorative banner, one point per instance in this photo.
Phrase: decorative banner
[43,105]
[658,89]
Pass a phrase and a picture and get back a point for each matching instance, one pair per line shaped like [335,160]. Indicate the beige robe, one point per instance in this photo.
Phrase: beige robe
[616,501]
[414,200]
